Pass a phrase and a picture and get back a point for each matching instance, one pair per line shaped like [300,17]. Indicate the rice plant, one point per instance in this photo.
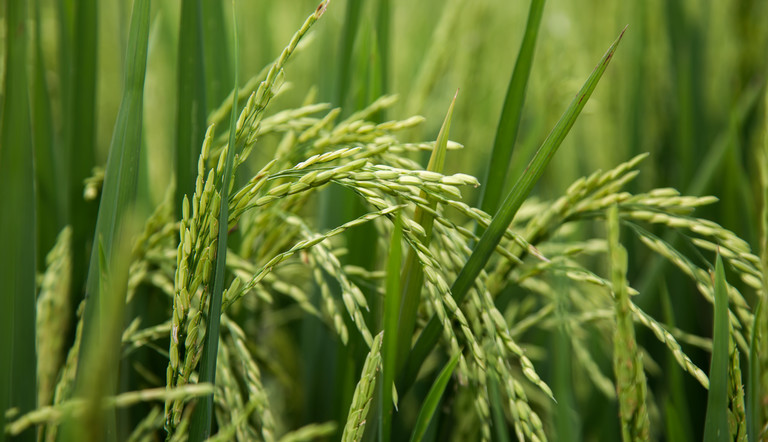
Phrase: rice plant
[298,256]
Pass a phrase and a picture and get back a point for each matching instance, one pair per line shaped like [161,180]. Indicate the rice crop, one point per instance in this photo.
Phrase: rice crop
[379,220]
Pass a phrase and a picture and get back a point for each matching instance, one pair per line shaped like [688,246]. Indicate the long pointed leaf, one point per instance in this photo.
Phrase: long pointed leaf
[716,426]
[433,399]
[391,310]
[382,43]
[346,61]
[491,237]
[191,109]
[117,200]
[80,147]
[218,66]
[17,225]
[509,122]
[413,275]
[50,194]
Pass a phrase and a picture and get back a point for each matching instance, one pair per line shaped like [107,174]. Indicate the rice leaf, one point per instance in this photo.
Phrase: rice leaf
[203,414]
[509,121]
[98,359]
[391,310]
[80,146]
[567,421]
[117,200]
[432,400]
[631,384]
[17,225]
[491,237]
[676,407]
[218,66]
[346,60]
[497,409]
[50,194]
[716,422]
[413,276]
[383,37]
[191,107]
[363,240]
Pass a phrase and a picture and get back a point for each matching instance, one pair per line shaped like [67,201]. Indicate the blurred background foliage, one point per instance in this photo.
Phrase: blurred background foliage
[687,80]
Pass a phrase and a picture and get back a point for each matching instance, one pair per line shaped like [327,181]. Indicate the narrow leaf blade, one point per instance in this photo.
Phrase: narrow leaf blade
[716,426]
[433,399]
[190,103]
[509,121]
[17,225]
[413,275]
[391,310]
[117,203]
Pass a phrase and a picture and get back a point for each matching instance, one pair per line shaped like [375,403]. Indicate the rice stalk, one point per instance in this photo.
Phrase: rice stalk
[310,432]
[628,367]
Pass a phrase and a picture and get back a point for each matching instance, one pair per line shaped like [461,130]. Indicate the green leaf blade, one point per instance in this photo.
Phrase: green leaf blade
[191,100]
[80,148]
[390,344]
[115,211]
[433,399]
[412,274]
[17,225]
[716,425]
[218,67]
[509,121]
[50,195]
